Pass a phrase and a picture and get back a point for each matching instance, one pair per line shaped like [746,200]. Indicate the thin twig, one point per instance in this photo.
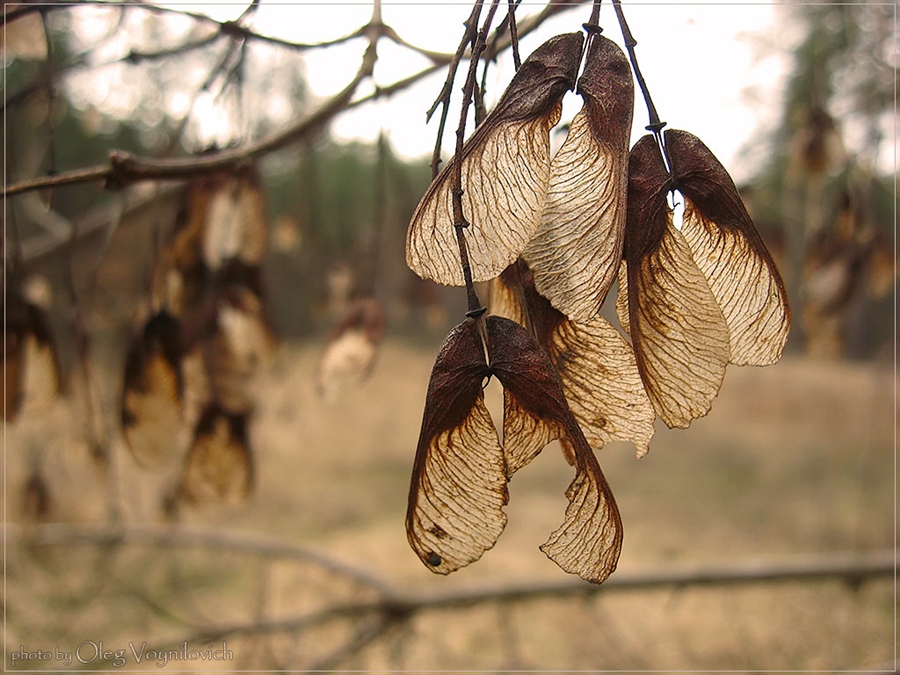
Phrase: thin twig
[514,32]
[51,101]
[475,308]
[656,126]
[125,168]
[851,568]
[443,99]
[171,536]
[135,57]
[630,43]
[438,58]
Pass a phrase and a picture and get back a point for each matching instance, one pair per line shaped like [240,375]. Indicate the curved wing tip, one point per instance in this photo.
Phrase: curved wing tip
[592,574]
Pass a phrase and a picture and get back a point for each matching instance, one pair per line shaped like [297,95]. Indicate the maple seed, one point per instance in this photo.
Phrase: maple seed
[701,297]
[596,365]
[31,367]
[575,251]
[219,464]
[349,356]
[153,390]
[461,470]
[505,174]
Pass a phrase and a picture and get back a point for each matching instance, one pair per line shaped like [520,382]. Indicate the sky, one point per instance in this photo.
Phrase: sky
[700,62]
[714,69]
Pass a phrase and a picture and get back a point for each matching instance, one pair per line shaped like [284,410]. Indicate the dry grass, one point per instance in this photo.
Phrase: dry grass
[796,458]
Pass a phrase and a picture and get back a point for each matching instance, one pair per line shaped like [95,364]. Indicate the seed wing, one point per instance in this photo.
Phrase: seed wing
[152,391]
[602,385]
[219,464]
[752,297]
[576,248]
[595,364]
[458,487]
[678,332]
[505,171]
[589,541]
[731,254]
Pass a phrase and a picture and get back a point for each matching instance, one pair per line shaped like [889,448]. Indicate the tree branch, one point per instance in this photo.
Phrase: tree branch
[392,605]
[125,168]
[852,567]
[169,536]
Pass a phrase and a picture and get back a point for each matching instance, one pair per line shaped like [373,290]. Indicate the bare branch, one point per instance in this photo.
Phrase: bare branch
[850,567]
[167,536]
[376,616]
[135,56]
[125,168]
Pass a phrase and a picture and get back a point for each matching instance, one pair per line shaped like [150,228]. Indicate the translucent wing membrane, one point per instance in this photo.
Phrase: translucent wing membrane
[578,243]
[505,173]
[458,488]
[699,298]
[753,299]
[589,541]
[595,364]
[731,254]
[602,385]
[679,333]
[152,391]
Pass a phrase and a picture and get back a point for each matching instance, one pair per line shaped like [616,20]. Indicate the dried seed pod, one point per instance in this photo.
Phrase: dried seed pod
[222,224]
[152,391]
[596,365]
[238,346]
[700,297]
[352,347]
[219,464]
[33,375]
[576,249]
[731,254]
[459,482]
[505,173]
[458,488]
[236,226]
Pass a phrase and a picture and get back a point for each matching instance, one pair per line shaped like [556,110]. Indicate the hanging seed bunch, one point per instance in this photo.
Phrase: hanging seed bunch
[197,356]
[553,233]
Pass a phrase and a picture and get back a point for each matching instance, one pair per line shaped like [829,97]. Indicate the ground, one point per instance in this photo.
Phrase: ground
[793,459]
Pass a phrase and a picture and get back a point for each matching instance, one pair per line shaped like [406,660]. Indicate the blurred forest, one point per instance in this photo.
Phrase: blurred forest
[126,125]
[825,195]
